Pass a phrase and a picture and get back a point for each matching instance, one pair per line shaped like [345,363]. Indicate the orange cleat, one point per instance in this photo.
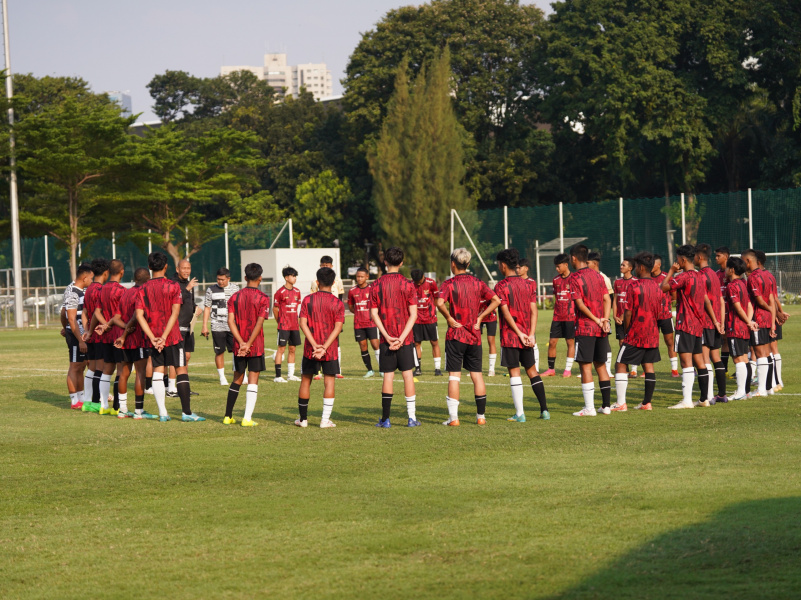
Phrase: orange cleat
[644,406]
[481,421]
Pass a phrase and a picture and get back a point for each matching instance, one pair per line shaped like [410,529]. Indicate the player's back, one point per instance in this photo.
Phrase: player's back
[645,302]
[392,294]
[517,294]
[156,300]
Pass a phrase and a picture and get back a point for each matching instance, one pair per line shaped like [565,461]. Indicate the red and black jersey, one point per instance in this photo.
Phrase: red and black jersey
[248,305]
[288,304]
[492,317]
[758,287]
[721,273]
[621,288]
[774,288]
[517,295]
[563,307]
[690,288]
[359,301]
[737,291]
[156,299]
[467,296]
[714,293]
[666,312]
[110,295]
[322,311]
[392,294]
[589,287]
[137,338]
[426,295]
[644,300]
[91,300]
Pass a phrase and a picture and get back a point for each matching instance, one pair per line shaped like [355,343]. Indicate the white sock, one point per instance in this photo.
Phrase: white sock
[328,407]
[634,369]
[291,369]
[492,359]
[569,364]
[123,402]
[516,383]
[754,374]
[588,391]
[172,387]
[411,407]
[87,385]
[777,365]
[159,393]
[608,362]
[711,371]
[377,354]
[221,373]
[438,362]
[74,398]
[762,369]
[621,384]
[687,380]
[250,400]
[105,386]
[741,373]
[674,363]
[537,357]
[453,408]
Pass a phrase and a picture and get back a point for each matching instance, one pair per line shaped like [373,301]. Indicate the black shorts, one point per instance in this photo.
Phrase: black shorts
[119,355]
[563,329]
[459,355]
[620,331]
[425,333]
[309,366]
[189,341]
[712,339]
[402,359]
[288,337]
[760,337]
[76,356]
[632,355]
[222,341]
[91,351]
[492,328]
[738,347]
[107,353]
[591,349]
[254,364]
[512,358]
[778,333]
[366,333]
[171,356]
[133,355]
[665,326]
[687,343]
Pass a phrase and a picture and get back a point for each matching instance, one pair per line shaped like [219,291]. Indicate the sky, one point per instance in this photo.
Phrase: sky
[117,45]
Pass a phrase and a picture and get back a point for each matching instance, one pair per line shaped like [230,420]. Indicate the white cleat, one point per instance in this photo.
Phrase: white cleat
[740,397]
[585,413]
[758,395]
[681,405]
[324,424]
[300,423]
[149,391]
[293,378]
[703,404]
[224,382]
[279,380]
[491,373]
[606,410]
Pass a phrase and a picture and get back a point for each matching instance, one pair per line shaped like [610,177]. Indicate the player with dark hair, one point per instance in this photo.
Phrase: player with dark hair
[215,309]
[425,329]
[393,307]
[94,349]
[186,319]
[109,307]
[322,316]
[490,324]
[781,319]
[739,324]
[594,262]
[157,310]
[363,327]
[714,328]
[762,297]
[620,287]
[465,294]
[247,310]
[593,304]
[338,289]
[666,316]
[73,321]
[721,258]
[564,318]
[286,307]
[523,266]
[518,325]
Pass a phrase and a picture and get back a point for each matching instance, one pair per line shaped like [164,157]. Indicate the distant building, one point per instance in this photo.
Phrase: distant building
[124,100]
[287,80]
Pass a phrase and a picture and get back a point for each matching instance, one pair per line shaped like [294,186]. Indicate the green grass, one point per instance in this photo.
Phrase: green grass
[686,504]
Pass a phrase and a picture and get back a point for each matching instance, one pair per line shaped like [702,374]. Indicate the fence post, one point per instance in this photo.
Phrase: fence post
[186,244]
[36,309]
[539,290]
[452,248]
[113,245]
[291,236]
[561,230]
[149,242]
[622,247]
[505,226]
[47,278]
[226,245]
[683,228]
[750,221]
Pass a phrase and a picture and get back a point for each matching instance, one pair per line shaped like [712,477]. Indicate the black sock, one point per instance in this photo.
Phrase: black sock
[96,386]
[720,377]
[769,380]
[303,408]
[650,386]
[386,404]
[233,394]
[551,362]
[139,402]
[366,359]
[116,405]
[278,370]
[481,404]
[606,393]
[724,358]
[182,383]
[703,383]
[539,392]
[748,375]
[148,382]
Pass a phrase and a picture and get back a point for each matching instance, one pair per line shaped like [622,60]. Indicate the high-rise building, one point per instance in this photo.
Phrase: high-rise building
[287,80]
[123,99]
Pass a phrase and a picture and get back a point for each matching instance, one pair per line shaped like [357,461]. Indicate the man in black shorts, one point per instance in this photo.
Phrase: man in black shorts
[110,296]
[94,350]
[714,324]
[425,329]
[563,325]
[363,327]
[72,308]
[215,309]
[185,318]
[665,322]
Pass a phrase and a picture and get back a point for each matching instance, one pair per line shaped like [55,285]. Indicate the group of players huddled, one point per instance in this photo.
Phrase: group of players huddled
[733,313]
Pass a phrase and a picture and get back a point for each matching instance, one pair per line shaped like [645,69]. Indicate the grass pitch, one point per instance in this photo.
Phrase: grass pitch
[700,503]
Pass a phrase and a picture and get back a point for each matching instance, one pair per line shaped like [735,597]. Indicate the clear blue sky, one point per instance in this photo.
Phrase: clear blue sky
[120,45]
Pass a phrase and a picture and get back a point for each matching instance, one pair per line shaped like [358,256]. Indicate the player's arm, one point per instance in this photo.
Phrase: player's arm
[665,287]
[244,349]
[234,329]
[772,316]
[204,331]
[332,336]
[409,324]
[618,320]
[72,318]
[627,319]
[129,327]
[722,315]
[507,316]
[304,327]
[380,324]
[746,317]
[63,317]
[176,308]
[534,313]
[781,316]
[140,318]
[602,322]
[491,307]
[711,312]
[443,309]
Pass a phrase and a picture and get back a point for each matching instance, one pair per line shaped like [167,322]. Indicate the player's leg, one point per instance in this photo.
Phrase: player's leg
[172,383]
[510,359]
[418,348]
[255,365]
[88,377]
[308,369]
[279,355]
[437,354]
[778,383]
[149,376]
[109,366]
[571,355]
[621,381]
[670,339]
[480,390]
[368,363]
[719,371]
[411,397]
[650,386]
[738,350]
[376,347]
[291,353]
[329,382]
[552,342]
[603,369]
[99,368]
[182,382]
[455,355]
[388,363]
[140,384]
[538,387]
[763,367]
[220,344]
[493,355]
[233,390]
[123,374]
[159,387]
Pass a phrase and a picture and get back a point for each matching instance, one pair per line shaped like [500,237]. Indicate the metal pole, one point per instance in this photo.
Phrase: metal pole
[47,278]
[226,245]
[149,242]
[750,221]
[113,245]
[537,252]
[12,161]
[683,228]
[186,244]
[36,306]
[622,247]
[561,229]
[505,226]
[452,248]
[291,236]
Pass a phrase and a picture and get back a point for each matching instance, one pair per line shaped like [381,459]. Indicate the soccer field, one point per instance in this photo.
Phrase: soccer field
[702,503]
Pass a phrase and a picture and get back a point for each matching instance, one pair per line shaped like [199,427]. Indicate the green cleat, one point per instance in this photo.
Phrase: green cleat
[545,415]
[517,418]
[93,407]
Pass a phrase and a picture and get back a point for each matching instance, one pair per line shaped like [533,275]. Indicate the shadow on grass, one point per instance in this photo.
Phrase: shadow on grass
[748,550]
[46,397]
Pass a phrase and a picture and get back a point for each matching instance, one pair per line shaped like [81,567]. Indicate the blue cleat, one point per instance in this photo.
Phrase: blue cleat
[383,423]
[192,417]
[545,415]
[165,418]
[413,423]
[368,374]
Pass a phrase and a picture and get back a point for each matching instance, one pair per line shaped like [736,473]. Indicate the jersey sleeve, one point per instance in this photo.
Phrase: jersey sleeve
[140,300]
[207,298]
[575,290]
[445,291]
[500,291]
[177,297]
[340,313]
[277,302]
[264,308]
[734,294]
[678,282]
[411,294]
[304,311]
[375,300]
[485,292]
[70,300]
[756,286]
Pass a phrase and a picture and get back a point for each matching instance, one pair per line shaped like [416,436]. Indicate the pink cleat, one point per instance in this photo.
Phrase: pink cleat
[548,373]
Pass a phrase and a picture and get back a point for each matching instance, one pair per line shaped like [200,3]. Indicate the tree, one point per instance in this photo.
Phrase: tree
[321,203]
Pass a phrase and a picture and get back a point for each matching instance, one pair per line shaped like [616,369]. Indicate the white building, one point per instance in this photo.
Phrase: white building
[124,100]
[287,80]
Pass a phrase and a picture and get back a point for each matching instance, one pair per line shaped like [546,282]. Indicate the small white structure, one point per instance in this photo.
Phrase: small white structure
[305,261]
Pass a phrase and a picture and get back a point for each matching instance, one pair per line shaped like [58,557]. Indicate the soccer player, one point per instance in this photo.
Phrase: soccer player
[157,308]
[518,324]
[338,289]
[110,296]
[714,329]
[393,307]
[247,310]
[285,310]
[739,324]
[185,318]
[215,308]
[620,289]
[322,316]
[94,351]
[640,343]
[523,266]
[761,296]
[465,294]
[590,293]
[564,318]
[594,262]
[721,258]
[666,317]
[490,324]
[73,333]
[425,329]
[690,304]
[363,327]
[774,359]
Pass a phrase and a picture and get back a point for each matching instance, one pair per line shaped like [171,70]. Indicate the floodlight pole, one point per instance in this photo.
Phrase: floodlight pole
[291,236]
[226,245]
[505,226]
[622,250]
[683,224]
[561,229]
[750,221]
[15,239]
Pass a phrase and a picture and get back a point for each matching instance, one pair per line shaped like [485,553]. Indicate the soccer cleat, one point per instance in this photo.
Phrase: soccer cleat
[585,413]
[481,421]
[619,407]
[548,373]
[124,415]
[417,371]
[368,374]
[437,372]
[318,377]
[681,405]
[327,424]
[713,401]
[224,382]
[229,421]
[149,391]
[303,423]
[606,410]
[114,412]
[517,418]
[144,415]
[758,395]
[567,374]
[279,380]
[191,418]
[248,423]
[674,373]
[171,394]
[412,422]
[633,375]
[165,418]
[293,378]
[642,375]
[778,388]
[771,392]
[704,404]
[644,406]
[339,376]
[91,407]
[453,423]
[194,393]
[738,397]
[723,399]
[105,411]
[491,373]
[382,423]
[416,380]
[77,406]
[545,415]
